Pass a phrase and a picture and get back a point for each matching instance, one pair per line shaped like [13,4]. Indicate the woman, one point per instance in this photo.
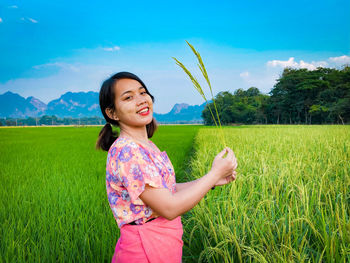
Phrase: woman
[146,201]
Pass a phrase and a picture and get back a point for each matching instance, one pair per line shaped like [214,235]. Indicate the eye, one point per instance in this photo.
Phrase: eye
[128,98]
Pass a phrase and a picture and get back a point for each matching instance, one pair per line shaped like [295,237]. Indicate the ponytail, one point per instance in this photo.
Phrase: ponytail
[106,137]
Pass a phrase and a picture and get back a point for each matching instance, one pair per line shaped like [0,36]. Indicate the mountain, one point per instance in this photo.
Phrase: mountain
[83,104]
[178,108]
[38,104]
[77,104]
[182,113]
[15,106]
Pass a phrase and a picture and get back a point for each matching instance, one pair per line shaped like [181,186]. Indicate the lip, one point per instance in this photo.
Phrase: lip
[144,113]
[142,109]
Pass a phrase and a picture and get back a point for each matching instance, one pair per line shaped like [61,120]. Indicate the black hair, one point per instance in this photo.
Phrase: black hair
[107,97]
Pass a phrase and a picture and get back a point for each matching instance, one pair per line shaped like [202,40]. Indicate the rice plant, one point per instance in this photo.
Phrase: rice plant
[200,90]
[53,201]
[289,203]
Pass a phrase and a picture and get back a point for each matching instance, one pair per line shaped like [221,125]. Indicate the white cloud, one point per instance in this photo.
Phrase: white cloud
[111,49]
[13,6]
[1,20]
[244,74]
[28,19]
[340,60]
[32,20]
[62,65]
[294,64]
[280,63]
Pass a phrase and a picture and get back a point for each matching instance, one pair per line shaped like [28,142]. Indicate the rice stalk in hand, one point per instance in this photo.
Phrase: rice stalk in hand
[200,90]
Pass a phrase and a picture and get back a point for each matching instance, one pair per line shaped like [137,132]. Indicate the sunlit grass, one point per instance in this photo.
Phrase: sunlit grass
[53,201]
[290,202]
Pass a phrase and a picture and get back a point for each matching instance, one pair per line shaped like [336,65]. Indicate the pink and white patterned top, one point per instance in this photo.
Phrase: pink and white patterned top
[129,167]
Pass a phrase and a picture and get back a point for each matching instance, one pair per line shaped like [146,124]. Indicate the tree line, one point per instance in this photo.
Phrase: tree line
[300,96]
[47,120]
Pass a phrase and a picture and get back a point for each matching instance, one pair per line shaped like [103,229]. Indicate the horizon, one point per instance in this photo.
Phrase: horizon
[70,46]
[26,98]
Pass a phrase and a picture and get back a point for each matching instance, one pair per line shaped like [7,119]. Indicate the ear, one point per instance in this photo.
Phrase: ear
[111,114]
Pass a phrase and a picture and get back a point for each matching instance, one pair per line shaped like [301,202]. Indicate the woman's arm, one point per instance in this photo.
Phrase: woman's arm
[222,181]
[181,186]
[169,205]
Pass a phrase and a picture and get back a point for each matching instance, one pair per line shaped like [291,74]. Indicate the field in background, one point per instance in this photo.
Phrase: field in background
[290,202]
[53,201]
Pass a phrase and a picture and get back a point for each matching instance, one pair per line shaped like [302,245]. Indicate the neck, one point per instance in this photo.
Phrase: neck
[139,134]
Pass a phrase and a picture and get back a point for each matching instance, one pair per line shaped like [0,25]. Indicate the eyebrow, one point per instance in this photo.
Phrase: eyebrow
[131,91]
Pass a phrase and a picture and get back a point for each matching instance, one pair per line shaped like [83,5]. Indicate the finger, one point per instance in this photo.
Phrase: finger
[230,154]
[229,179]
[235,165]
[234,174]
[223,153]
[234,160]
[234,154]
[226,149]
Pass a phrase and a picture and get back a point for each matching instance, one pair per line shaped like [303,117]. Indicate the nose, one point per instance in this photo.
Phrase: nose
[140,100]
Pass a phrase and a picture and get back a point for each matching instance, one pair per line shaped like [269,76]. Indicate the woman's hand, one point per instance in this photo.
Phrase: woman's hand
[227,180]
[224,167]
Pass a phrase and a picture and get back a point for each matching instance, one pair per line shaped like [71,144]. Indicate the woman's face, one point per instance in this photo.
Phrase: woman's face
[133,106]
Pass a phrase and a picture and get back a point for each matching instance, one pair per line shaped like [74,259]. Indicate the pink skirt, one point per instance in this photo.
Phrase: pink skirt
[159,240]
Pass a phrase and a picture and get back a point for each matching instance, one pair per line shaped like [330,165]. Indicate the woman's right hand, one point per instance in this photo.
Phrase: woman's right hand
[224,167]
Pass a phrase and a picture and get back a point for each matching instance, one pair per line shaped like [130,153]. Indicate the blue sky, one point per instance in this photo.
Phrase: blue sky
[50,47]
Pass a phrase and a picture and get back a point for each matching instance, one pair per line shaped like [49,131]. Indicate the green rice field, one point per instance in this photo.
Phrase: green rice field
[290,202]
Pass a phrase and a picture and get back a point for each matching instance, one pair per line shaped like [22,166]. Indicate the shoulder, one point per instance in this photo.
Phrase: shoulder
[123,149]
[122,143]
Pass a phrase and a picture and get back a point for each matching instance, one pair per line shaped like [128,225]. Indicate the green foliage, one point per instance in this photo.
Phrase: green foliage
[300,96]
[240,107]
[318,96]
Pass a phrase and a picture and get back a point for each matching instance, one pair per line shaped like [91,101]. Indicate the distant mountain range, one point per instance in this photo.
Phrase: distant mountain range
[82,104]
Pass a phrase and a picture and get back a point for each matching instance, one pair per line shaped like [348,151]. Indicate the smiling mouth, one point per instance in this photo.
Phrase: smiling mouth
[144,111]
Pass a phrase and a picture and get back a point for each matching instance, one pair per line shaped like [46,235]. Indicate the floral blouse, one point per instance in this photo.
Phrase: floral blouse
[130,166]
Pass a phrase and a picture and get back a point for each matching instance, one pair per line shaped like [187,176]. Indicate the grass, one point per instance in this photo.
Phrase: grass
[290,202]
[53,201]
